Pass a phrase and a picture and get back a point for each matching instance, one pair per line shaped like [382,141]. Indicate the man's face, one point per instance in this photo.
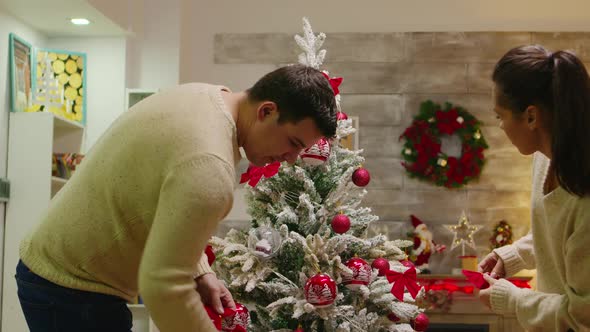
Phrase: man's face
[269,141]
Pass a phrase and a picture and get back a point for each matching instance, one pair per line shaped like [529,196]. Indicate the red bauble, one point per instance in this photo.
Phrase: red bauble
[340,223]
[341,116]
[407,263]
[392,317]
[381,264]
[361,177]
[320,290]
[420,323]
[299,329]
[210,254]
[215,317]
[361,273]
[316,154]
[238,321]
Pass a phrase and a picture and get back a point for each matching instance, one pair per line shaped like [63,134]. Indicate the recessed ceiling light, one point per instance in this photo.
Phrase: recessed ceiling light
[80,21]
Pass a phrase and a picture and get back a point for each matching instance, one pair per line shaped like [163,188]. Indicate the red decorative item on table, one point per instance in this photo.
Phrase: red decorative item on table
[476,278]
[361,177]
[316,154]
[341,116]
[424,245]
[361,273]
[320,290]
[341,223]
[238,321]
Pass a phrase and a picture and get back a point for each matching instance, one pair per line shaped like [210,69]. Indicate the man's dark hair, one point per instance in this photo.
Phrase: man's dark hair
[299,92]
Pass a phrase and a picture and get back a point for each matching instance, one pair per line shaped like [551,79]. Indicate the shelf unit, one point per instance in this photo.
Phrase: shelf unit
[134,96]
[141,319]
[32,139]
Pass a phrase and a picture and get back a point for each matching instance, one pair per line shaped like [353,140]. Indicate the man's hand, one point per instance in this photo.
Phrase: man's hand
[214,293]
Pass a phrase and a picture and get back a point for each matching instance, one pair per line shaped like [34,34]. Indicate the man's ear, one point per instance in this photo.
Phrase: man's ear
[532,116]
[266,109]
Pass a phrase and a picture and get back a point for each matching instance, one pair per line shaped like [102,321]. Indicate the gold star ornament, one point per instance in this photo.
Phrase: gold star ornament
[463,232]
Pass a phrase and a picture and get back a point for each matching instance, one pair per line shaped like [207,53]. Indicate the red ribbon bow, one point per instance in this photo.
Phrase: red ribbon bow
[334,83]
[476,278]
[254,173]
[401,281]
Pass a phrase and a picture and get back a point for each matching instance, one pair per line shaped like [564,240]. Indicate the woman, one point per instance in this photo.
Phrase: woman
[542,100]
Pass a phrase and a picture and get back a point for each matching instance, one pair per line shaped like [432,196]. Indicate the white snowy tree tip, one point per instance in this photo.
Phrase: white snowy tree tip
[311,44]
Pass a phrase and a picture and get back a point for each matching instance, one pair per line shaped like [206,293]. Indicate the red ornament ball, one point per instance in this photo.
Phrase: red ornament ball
[316,154]
[341,116]
[361,273]
[341,223]
[320,290]
[238,321]
[420,323]
[392,317]
[407,263]
[210,254]
[361,177]
[299,329]
[381,264]
[215,317]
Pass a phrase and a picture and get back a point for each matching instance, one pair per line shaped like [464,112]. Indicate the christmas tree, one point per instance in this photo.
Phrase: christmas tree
[305,263]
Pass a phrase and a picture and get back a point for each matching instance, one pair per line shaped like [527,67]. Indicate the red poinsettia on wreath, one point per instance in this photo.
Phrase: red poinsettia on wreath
[422,153]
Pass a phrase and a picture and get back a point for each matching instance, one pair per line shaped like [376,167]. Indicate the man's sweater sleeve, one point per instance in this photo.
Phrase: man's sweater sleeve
[194,197]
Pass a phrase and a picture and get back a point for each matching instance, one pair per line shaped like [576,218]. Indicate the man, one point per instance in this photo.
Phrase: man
[140,208]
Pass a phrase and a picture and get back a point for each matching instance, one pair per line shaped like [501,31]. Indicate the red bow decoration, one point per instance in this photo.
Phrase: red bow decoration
[254,173]
[401,281]
[334,83]
[476,278]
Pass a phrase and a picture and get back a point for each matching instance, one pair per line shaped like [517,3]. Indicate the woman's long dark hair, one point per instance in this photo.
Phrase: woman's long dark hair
[557,83]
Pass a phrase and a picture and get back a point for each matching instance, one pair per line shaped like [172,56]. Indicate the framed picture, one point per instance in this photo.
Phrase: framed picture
[21,58]
[351,142]
[59,84]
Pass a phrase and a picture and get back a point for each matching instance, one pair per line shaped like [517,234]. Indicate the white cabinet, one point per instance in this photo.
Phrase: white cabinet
[32,139]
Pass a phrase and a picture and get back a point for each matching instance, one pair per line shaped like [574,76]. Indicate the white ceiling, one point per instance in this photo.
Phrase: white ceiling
[51,17]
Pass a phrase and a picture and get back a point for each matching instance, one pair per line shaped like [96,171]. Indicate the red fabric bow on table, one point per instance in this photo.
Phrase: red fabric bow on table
[476,278]
[255,173]
[401,281]
[334,83]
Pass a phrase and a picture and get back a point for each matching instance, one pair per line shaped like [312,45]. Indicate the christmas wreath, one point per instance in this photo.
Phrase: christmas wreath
[422,153]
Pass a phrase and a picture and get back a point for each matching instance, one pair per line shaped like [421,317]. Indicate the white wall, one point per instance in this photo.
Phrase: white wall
[153,51]
[9,24]
[105,79]
[202,19]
